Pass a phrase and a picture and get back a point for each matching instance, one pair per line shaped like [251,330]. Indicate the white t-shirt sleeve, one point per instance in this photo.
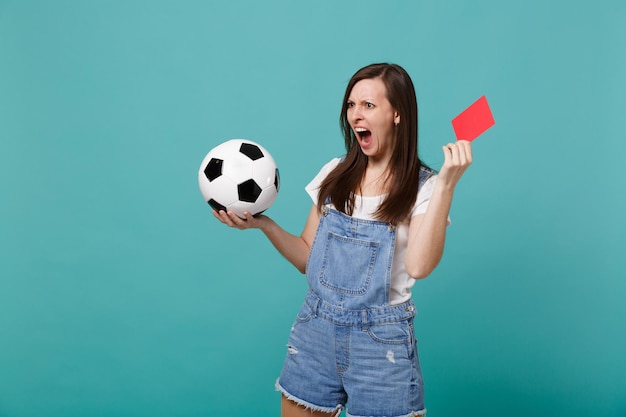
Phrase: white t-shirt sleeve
[312,188]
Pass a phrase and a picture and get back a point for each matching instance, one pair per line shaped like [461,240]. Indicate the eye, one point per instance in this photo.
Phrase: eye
[369,105]
[350,104]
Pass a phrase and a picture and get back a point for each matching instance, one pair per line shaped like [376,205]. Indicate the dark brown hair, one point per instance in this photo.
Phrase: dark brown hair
[342,183]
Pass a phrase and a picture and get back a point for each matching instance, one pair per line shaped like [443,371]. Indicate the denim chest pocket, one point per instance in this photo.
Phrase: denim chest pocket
[348,264]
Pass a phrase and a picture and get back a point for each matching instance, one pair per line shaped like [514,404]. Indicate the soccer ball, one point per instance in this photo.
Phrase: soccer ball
[239,175]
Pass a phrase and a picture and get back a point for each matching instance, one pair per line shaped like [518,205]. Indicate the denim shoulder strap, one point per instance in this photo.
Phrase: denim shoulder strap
[425,174]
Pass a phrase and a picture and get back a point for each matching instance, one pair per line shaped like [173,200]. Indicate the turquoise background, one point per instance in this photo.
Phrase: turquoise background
[121,295]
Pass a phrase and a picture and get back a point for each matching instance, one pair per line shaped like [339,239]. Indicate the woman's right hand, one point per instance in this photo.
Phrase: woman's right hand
[232,220]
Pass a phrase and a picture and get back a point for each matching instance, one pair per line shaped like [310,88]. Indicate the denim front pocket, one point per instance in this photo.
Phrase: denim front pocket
[304,314]
[348,264]
[398,333]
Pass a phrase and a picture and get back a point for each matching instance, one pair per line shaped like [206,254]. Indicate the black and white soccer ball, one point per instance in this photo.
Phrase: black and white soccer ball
[239,175]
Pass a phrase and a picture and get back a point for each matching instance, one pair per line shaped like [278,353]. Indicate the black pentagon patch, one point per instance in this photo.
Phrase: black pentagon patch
[216,206]
[251,151]
[213,169]
[248,191]
[277,180]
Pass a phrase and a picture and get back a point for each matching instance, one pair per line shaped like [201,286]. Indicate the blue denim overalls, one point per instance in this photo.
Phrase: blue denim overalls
[348,344]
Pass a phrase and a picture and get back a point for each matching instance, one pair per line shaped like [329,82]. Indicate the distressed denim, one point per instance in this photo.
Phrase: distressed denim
[348,346]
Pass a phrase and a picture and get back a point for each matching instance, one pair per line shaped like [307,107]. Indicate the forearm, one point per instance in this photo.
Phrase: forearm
[428,234]
[293,248]
[426,241]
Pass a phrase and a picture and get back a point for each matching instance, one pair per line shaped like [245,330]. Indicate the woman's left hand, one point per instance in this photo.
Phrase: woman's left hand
[457,158]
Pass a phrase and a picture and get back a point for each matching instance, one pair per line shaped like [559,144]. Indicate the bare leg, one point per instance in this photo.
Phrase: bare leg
[291,409]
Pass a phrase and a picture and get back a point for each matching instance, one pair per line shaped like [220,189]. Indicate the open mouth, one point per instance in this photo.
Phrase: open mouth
[363,134]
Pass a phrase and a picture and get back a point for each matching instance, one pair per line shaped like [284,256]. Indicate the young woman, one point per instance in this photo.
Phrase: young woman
[377,223]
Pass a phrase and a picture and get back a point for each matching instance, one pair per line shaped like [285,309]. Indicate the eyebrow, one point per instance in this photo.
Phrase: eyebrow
[366,100]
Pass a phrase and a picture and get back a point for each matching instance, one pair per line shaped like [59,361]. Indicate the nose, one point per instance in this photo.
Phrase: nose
[355,114]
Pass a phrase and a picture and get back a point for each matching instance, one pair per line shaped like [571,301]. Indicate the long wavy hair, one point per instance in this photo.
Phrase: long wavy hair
[342,183]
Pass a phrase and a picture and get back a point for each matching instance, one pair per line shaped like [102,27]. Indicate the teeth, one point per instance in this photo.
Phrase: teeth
[360,129]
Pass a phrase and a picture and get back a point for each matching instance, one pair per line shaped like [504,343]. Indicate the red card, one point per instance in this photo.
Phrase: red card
[473,121]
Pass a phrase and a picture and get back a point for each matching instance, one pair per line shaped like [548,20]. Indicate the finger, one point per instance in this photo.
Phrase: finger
[447,153]
[237,221]
[462,155]
[242,222]
[227,218]
[466,148]
[454,153]
[219,215]
[468,151]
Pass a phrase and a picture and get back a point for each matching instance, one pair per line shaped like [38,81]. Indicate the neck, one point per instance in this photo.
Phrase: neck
[374,181]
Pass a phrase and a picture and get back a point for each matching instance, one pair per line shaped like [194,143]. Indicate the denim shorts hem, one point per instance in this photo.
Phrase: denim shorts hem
[306,404]
[413,414]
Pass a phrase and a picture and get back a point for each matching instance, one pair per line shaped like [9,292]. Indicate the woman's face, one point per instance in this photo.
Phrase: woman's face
[372,118]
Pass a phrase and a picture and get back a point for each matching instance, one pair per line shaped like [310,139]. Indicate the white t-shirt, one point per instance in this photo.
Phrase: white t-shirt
[365,207]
